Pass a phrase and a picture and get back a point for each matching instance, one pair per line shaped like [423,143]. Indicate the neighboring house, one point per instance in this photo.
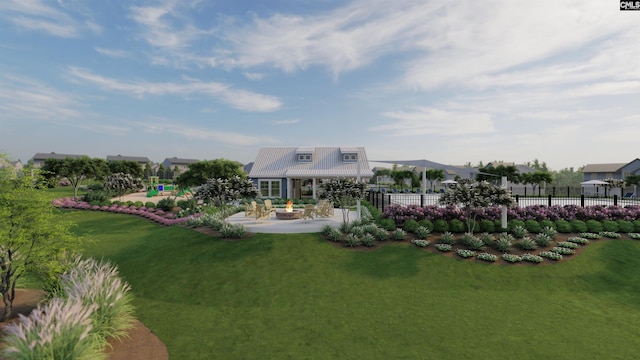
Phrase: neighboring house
[39,158]
[182,164]
[143,161]
[280,172]
[613,171]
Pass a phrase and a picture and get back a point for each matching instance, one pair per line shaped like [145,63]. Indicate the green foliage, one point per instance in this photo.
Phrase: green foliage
[166,204]
[636,225]
[503,242]
[368,240]
[487,257]
[526,243]
[343,192]
[473,242]
[578,226]
[552,255]
[333,234]
[398,234]
[518,231]
[32,239]
[609,234]
[465,253]
[578,240]
[546,223]
[132,168]
[568,244]
[532,258]
[563,226]
[550,231]
[420,242]
[512,258]
[514,223]
[388,224]
[222,191]
[625,226]
[487,238]
[533,226]
[563,250]
[422,232]
[99,196]
[201,171]
[150,205]
[444,247]
[543,240]
[234,231]
[609,225]
[441,226]
[487,226]
[593,226]
[410,226]
[121,183]
[447,238]
[75,170]
[456,226]
[351,240]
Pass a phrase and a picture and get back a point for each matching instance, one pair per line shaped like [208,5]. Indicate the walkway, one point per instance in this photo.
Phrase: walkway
[276,226]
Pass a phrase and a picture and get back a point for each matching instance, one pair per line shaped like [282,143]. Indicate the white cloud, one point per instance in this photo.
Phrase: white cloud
[253,75]
[425,120]
[35,15]
[113,53]
[236,98]
[286,122]
[195,133]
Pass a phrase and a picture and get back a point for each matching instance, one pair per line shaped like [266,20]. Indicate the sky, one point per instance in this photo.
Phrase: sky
[448,81]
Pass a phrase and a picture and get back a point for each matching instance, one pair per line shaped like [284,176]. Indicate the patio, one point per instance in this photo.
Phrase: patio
[275,226]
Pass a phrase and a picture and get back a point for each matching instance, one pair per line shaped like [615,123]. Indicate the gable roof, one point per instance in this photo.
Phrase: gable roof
[282,162]
[139,159]
[602,168]
[178,161]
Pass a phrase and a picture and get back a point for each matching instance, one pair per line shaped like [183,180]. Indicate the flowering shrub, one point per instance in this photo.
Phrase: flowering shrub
[487,257]
[444,247]
[610,235]
[420,243]
[447,238]
[153,214]
[635,236]
[511,258]
[568,244]
[532,258]
[370,240]
[465,253]
[422,232]
[563,250]
[399,234]
[589,236]
[577,240]
[551,255]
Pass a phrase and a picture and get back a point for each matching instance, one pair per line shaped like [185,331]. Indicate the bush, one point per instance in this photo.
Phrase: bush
[150,205]
[512,258]
[546,223]
[472,242]
[368,240]
[422,232]
[447,238]
[457,226]
[465,253]
[562,226]
[487,257]
[232,231]
[625,226]
[426,223]
[593,226]
[550,231]
[518,231]
[487,239]
[398,234]
[578,226]
[166,204]
[444,247]
[504,242]
[609,225]
[533,226]
[333,234]
[609,234]
[388,224]
[188,204]
[563,250]
[532,258]
[527,244]
[420,243]
[551,255]
[568,244]
[97,196]
[578,240]
[410,226]
[487,226]
[441,226]
[514,223]
[636,225]
[543,240]
[351,240]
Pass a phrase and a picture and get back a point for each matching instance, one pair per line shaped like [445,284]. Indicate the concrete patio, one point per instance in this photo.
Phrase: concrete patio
[277,226]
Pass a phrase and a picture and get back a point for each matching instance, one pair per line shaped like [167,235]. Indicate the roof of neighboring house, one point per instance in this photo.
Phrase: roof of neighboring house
[140,159]
[281,162]
[602,168]
[178,161]
[52,155]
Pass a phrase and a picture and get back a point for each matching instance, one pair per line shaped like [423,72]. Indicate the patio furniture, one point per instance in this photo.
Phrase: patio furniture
[250,209]
[268,207]
[325,209]
[261,212]
[309,212]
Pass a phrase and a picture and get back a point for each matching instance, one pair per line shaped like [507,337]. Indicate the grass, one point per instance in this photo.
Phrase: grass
[299,296]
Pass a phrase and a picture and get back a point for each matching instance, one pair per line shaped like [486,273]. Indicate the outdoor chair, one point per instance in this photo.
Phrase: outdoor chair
[268,207]
[261,212]
[250,209]
[309,212]
[325,209]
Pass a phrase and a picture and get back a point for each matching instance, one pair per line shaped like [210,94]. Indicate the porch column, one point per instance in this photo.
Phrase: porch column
[289,189]
[313,187]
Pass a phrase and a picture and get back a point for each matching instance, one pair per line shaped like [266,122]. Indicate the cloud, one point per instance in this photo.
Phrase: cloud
[194,133]
[24,98]
[423,120]
[236,98]
[253,75]
[286,122]
[34,15]
[113,53]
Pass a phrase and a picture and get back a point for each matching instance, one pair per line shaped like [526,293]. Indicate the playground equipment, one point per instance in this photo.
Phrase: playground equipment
[157,189]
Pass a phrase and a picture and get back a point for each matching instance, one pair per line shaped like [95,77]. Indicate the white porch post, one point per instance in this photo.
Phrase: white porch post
[313,188]
[504,207]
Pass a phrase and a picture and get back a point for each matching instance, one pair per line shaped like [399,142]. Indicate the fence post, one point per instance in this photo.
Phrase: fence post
[549,200]
[422,196]
[525,191]
[568,191]
[615,199]
[582,200]
[517,198]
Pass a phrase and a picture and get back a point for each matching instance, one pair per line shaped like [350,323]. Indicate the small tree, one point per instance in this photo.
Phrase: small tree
[344,192]
[75,170]
[435,175]
[472,196]
[536,178]
[201,171]
[220,192]
[121,183]
[32,239]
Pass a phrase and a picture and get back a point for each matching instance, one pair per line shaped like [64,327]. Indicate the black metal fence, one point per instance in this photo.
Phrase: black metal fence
[382,200]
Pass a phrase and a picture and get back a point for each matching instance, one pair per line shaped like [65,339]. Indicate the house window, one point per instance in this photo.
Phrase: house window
[304,157]
[269,188]
[349,157]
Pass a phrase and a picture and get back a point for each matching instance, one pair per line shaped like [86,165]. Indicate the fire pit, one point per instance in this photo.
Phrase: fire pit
[289,213]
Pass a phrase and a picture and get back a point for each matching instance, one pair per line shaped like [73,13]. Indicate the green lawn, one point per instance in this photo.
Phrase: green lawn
[300,297]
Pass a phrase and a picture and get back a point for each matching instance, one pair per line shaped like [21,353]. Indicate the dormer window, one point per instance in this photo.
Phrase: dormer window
[349,157]
[304,157]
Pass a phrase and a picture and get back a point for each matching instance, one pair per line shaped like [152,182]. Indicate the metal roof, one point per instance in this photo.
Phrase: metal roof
[602,168]
[140,159]
[282,162]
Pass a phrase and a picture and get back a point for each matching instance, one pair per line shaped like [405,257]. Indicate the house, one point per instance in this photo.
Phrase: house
[183,164]
[284,172]
[610,171]
[143,161]
[39,158]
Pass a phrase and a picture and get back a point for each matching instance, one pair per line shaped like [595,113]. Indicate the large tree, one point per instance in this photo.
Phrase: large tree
[435,175]
[536,178]
[75,170]
[343,192]
[32,239]
[493,174]
[201,171]
[220,192]
[400,176]
[126,166]
[471,196]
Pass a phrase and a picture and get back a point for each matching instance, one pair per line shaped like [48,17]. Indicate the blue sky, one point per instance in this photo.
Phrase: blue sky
[453,82]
